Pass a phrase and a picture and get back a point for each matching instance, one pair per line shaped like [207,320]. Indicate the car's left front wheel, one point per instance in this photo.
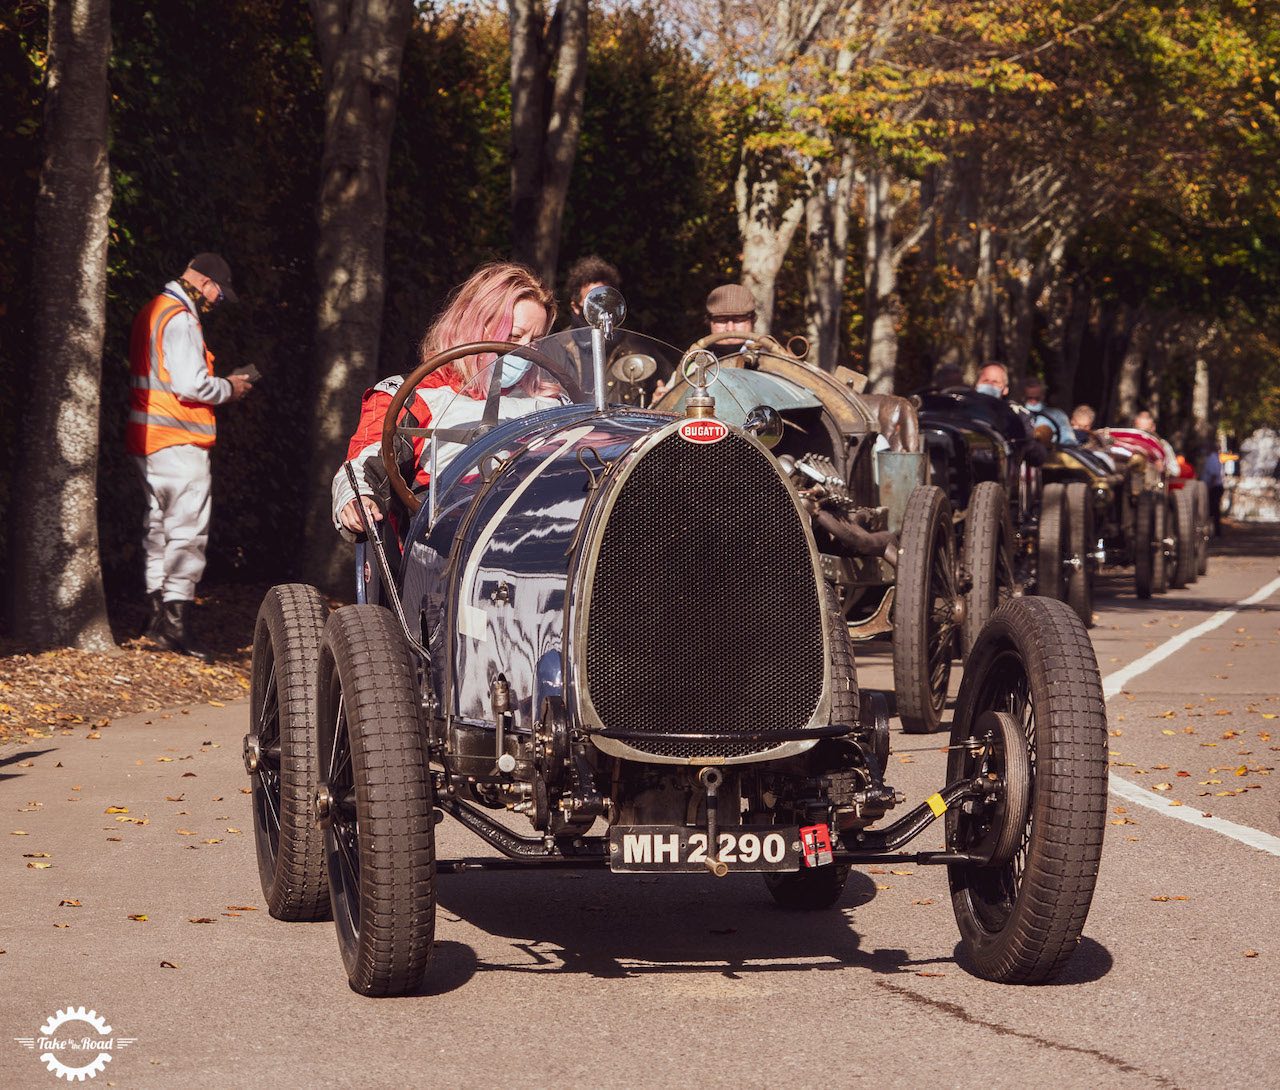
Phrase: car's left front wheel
[375,802]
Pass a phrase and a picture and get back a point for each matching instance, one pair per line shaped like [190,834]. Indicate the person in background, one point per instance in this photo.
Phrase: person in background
[585,275]
[1033,395]
[1211,474]
[993,382]
[1082,420]
[1144,421]
[730,309]
[170,430]
[502,301]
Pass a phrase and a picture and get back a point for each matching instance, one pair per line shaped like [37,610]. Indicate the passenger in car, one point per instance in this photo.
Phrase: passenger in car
[502,301]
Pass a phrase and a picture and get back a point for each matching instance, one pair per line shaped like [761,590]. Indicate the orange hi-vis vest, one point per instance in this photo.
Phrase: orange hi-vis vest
[158,417]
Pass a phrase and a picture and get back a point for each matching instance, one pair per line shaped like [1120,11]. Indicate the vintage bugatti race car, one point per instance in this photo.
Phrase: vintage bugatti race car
[883,531]
[609,626]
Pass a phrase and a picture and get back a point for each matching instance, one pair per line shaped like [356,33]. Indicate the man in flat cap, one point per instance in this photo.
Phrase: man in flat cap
[731,308]
[170,431]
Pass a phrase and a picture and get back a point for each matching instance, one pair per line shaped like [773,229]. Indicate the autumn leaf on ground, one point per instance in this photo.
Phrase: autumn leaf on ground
[212,840]
[216,704]
[19,832]
[241,908]
[175,798]
[930,974]
[1251,953]
[199,919]
[69,902]
[186,832]
[168,965]
[923,901]
[116,810]
[903,873]
[62,926]
[140,917]
[39,866]
[1162,787]
[36,855]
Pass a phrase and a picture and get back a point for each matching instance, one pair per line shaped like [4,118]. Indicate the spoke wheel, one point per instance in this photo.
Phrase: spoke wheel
[988,559]
[925,610]
[1160,565]
[1021,918]
[1051,549]
[376,803]
[1083,541]
[280,752]
[1144,546]
[1204,526]
[1185,571]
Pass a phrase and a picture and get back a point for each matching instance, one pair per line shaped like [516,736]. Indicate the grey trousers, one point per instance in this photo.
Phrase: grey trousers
[176,526]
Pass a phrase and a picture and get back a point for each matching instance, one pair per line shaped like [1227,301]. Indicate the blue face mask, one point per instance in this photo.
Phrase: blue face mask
[514,368]
[1035,406]
[990,389]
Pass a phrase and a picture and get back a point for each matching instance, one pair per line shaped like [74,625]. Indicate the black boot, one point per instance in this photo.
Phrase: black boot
[177,629]
[155,615]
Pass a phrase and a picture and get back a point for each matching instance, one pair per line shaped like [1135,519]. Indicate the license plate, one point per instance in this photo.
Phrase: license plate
[679,848]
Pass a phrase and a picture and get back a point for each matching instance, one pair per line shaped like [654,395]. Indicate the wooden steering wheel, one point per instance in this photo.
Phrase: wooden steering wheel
[390,429]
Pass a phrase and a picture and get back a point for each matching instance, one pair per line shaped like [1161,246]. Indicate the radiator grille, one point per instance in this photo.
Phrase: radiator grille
[705,615]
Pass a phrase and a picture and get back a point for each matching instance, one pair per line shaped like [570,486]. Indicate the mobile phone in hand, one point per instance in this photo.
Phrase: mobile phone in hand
[251,373]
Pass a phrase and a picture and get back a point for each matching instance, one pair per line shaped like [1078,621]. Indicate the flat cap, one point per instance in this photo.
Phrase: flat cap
[730,301]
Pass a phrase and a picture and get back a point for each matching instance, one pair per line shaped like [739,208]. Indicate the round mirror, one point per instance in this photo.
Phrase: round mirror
[634,367]
[604,308]
[765,423]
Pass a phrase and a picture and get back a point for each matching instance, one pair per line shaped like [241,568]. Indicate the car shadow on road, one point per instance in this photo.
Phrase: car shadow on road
[1090,962]
[615,927]
[20,755]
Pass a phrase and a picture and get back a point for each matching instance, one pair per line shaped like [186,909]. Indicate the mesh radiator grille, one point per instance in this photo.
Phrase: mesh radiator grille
[705,615]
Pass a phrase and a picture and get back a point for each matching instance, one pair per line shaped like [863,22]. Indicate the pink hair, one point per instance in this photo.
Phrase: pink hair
[481,309]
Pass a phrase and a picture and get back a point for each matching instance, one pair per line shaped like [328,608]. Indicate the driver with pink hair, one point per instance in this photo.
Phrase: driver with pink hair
[502,301]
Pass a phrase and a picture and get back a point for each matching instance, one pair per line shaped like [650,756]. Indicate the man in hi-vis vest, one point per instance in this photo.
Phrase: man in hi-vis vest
[171,427]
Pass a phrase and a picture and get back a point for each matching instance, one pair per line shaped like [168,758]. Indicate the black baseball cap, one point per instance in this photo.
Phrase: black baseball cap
[215,267]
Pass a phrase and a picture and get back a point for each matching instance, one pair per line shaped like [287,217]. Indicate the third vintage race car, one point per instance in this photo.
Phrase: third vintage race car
[606,642]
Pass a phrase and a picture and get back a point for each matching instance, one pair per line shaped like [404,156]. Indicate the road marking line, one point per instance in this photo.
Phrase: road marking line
[1113,684]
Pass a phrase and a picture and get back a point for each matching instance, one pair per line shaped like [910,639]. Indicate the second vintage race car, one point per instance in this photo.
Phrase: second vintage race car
[606,642]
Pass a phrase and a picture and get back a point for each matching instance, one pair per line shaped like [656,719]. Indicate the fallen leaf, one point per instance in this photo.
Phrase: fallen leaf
[117,839]
[903,873]
[216,704]
[141,917]
[19,832]
[1168,732]
[930,974]
[212,840]
[116,810]
[39,866]
[175,798]
[186,832]
[164,760]
[62,926]
[1162,787]
[923,901]
[167,965]
[1242,771]
[199,919]
[69,902]
[232,829]
[1251,953]
[241,908]
[186,774]
[246,790]
[26,764]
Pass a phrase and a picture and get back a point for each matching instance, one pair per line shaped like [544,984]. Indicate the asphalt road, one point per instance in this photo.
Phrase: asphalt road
[569,979]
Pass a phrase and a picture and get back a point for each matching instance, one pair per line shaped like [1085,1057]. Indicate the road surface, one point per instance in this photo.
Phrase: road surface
[569,979]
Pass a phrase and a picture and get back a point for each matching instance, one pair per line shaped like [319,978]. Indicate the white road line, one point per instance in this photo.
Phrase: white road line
[1113,684]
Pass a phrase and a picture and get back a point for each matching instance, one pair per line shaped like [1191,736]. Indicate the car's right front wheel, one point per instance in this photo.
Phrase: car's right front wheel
[1022,896]
[375,802]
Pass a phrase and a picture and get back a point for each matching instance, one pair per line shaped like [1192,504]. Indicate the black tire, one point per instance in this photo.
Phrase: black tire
[1144,546]
[1160,568]
[1051,543]
[282,703]
[924,610]
[1184,534]
[1082,542]
[379,834]
[988,537]
[1204,526]
[1020,921]
[808,889]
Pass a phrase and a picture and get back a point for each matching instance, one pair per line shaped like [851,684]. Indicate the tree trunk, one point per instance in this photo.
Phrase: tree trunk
[827,235]
[361,43]
[767,222]
[57,575]
[544,134]
[883,307]
[1129,380]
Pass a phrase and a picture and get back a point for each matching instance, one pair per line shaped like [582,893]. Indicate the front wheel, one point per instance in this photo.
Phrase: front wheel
[1184,533]
[1143,545]
[280,752]
[1083,541]
[1161,562]
[924,610]
[1021,917]
[988,558]
[376,803]
[808,890]
[1204,525]
[1051,545]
